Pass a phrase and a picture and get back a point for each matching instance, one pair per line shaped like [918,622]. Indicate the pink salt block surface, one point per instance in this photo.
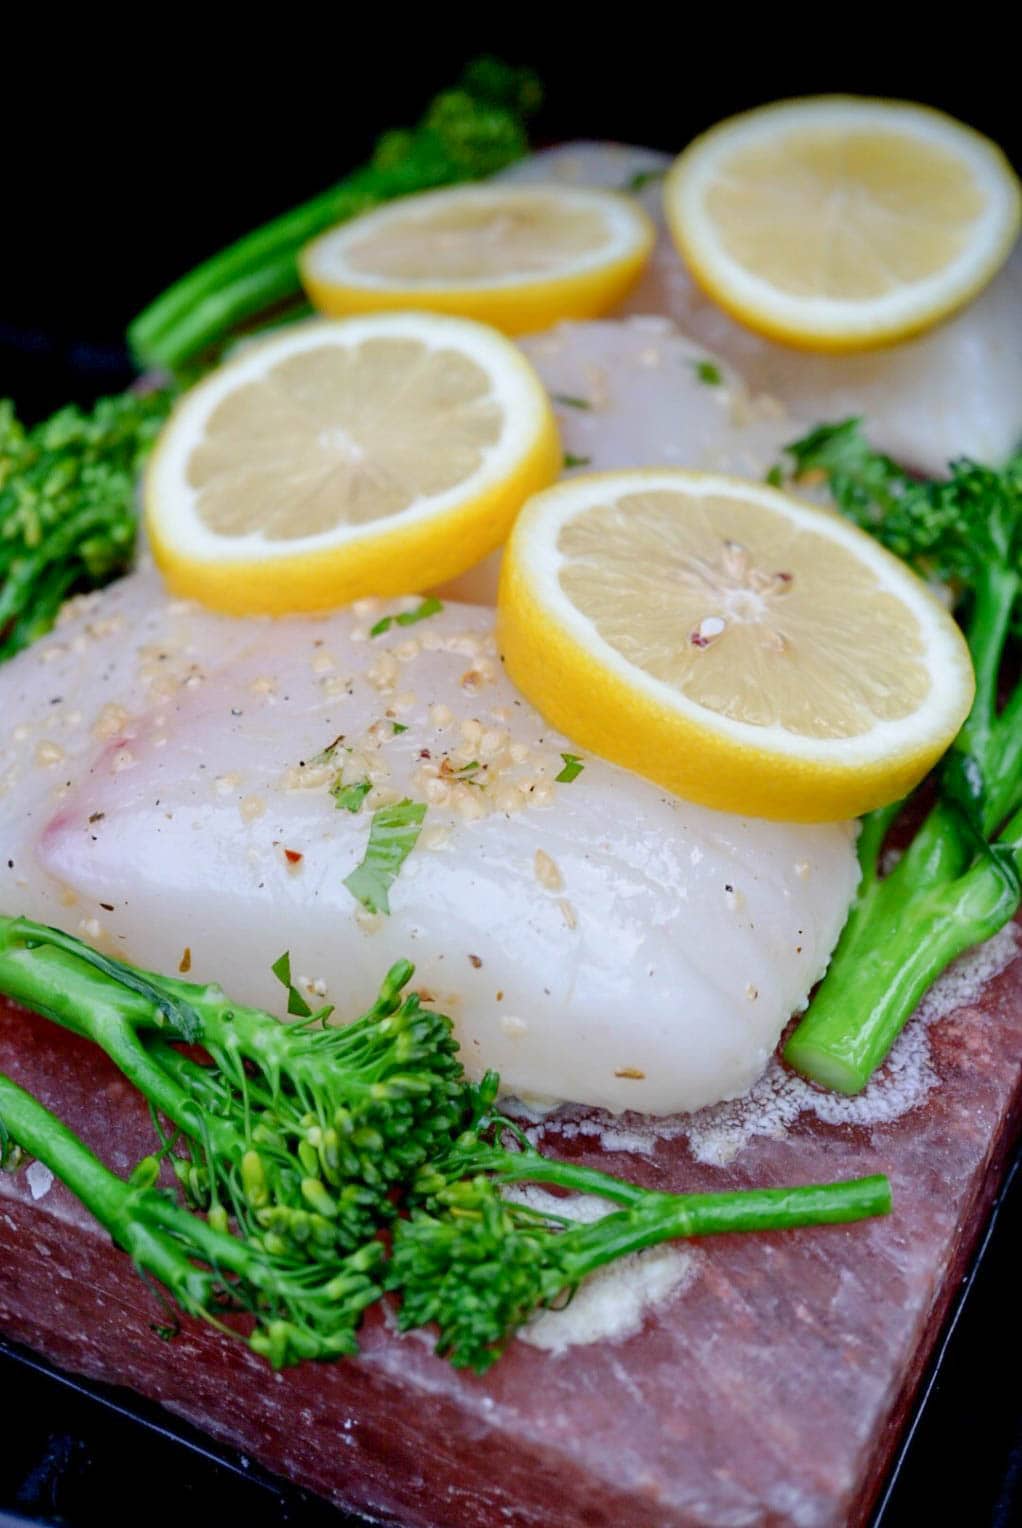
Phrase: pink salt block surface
[767,1385]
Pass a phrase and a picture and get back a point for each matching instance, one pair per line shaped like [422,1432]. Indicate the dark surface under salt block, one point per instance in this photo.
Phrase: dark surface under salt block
[768,1390]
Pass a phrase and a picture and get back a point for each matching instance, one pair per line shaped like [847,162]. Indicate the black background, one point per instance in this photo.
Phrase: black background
[132,157]
[134,147]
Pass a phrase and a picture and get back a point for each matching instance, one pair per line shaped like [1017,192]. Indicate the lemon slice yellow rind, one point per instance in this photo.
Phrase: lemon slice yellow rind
[841,223]
[444,251]
[212,451]
[604,701]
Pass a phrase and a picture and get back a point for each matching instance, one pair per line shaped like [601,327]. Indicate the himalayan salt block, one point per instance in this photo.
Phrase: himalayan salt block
[754,1380]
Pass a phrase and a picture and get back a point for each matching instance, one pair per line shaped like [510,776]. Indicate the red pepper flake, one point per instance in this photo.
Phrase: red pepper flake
[293,856]
[424,753]
[698,640]
[475,961]
[785,578]
[185,963]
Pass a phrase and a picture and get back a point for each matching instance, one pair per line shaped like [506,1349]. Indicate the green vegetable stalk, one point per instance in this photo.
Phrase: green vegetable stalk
[959,880]
[298,1312]
[298,1132]
[466,134]
[478,1265]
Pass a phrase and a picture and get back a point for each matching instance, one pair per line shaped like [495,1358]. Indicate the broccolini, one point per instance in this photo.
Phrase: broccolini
[465,134]
[959,880]
[299,1310]
[296,1130]
[67,505]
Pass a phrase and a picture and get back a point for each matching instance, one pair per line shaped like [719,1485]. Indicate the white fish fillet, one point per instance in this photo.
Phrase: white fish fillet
[637,393]
[614,947]
[956,391]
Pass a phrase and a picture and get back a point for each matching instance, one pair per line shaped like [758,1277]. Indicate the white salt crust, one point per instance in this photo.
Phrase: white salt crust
[716,1136]
[612,1303]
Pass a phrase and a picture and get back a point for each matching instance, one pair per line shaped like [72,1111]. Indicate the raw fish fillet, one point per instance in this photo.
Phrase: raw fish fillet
[956,391]
[640,394]
[164,795]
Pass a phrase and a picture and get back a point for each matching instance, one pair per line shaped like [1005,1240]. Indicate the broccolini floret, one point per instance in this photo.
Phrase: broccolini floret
[67,505]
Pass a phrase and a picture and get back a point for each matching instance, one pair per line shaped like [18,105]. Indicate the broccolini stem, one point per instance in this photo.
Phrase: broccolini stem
[533,1167]
[47,1138]
[60,977]
[875,827]
[137,1217]
[743,1209]
[211,303]
[66,990]
[995,591]
[888,958]
[1003,765]
[664,1217]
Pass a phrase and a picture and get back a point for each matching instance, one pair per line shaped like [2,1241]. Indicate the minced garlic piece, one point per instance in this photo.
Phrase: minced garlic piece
[110,720]
[48,753]
[547,872]
[567,912]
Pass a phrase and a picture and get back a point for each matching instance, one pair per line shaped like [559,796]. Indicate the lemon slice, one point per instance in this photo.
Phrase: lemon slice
[339,460]
[841,222]
[518,257]
[735,645]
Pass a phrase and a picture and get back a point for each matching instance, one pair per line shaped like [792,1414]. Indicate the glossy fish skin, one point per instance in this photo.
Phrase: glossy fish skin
[954,391]
[613,946]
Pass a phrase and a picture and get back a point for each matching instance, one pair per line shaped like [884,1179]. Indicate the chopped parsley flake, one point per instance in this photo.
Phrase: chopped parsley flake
[349,798]
[326,754]
[775,477]
[641,179]
[571,402]
[708,373]
[575,461]
[296,1004]
[393,835]
[431,606]
[398,727]
[573,767]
